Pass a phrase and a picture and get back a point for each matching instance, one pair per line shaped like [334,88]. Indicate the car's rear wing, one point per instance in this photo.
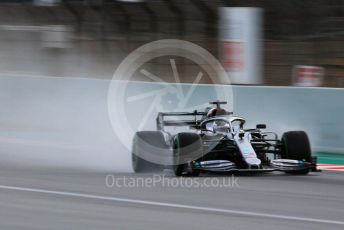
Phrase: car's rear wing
[195,119]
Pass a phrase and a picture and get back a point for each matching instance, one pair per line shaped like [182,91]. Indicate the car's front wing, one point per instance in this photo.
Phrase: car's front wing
[283,165]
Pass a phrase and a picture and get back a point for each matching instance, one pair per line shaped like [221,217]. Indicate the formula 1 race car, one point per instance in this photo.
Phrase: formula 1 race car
[218,142]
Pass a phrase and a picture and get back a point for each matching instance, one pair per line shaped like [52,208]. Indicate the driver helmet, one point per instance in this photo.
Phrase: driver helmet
[216,112]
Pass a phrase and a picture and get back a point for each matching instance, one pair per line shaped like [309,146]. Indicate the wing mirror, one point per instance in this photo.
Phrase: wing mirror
[261,126]
[241,134]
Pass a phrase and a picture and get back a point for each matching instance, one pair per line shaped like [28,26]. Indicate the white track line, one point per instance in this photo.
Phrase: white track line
[172,205]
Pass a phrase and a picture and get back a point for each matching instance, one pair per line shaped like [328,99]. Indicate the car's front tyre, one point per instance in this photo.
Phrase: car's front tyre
[296,146]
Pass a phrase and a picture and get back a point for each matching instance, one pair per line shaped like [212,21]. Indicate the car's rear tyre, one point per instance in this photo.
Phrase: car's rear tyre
[185,146]
[296,146]
[145,145]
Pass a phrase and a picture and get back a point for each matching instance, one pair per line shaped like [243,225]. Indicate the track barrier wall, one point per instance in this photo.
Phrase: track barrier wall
[64,122]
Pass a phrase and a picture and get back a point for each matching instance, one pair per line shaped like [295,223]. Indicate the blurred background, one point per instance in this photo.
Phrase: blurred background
[64,124]
[89,38]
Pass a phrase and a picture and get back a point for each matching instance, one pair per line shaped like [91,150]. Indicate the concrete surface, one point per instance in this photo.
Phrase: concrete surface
[81,200]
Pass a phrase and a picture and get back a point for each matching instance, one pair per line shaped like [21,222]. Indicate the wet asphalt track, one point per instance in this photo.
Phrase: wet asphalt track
[52,199]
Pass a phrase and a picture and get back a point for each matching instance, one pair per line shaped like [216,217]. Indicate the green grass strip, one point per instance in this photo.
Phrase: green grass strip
[330,158]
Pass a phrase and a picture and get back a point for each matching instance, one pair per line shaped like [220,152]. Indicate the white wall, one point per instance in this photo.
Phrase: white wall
[318,111]
[58,122]
[64,122]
